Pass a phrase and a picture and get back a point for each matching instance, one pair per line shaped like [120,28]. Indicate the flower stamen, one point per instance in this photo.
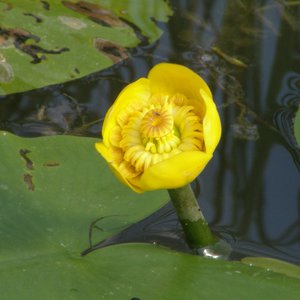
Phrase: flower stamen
[156,123]
[164,128]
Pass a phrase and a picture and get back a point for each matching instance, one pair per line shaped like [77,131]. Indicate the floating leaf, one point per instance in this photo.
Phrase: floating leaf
[43,43]
[114,52]
[44,229]
[96,13]
[274,265]
[53,188]
[297,126]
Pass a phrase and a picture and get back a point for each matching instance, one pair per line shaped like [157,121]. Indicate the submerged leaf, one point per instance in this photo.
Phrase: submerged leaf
[245,131]
[230,59]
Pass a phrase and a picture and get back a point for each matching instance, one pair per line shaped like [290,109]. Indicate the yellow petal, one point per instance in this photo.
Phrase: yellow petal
[115,136]
[174,172]
[211,124]
[105,152]
[169,170]
[170,79]
[136,93]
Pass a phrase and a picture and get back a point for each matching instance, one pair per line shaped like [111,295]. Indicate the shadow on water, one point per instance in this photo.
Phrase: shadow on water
[248,52]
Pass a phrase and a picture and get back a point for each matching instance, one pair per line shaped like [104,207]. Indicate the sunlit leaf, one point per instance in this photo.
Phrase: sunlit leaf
[43,43]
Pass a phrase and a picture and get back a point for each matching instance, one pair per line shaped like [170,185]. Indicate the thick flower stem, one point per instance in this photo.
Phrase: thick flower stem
[194,225]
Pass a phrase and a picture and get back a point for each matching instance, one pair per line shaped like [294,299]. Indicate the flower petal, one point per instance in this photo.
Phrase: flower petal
[164,80]
[211,124]
[105,152]
[172,78]
[136,93]
[174,172]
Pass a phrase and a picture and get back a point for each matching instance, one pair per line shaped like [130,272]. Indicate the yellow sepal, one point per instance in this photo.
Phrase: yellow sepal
[174,172]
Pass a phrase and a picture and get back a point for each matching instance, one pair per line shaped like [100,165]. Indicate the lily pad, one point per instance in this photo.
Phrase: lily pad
[297,126]
[275,265]
[139,271]
[52,189]
[44,43]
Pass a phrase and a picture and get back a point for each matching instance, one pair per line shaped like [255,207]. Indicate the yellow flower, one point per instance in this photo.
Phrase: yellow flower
[162,130]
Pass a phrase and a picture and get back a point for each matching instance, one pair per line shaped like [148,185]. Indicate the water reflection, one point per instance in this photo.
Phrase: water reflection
[259,183]
[250,192]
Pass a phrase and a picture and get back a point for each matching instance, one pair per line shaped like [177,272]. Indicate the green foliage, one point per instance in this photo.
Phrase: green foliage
[274,265]
[140,271]
[297,126]
[44,44]
[52,189]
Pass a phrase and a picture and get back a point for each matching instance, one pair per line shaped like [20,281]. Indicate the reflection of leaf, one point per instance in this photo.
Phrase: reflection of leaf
[43,43]
[297,126]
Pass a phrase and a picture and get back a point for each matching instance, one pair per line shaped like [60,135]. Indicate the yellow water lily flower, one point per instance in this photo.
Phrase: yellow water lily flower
[162,130]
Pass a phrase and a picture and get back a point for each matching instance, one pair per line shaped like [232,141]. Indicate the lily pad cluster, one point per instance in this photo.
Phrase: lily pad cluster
[46,42]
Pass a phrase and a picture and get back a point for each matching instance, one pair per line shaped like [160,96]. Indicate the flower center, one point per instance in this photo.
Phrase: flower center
[147,135]
[156,123]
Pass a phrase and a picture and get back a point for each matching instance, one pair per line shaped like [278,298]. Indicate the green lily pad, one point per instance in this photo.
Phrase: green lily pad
[275,265]
[44,43]
[297,126]
[137,271]
[52,189]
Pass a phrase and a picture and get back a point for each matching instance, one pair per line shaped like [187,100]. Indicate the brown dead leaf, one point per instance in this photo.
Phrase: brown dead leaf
[115,52]
[96,13]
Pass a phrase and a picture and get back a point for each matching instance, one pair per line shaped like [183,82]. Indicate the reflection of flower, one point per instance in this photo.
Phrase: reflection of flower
[162,130]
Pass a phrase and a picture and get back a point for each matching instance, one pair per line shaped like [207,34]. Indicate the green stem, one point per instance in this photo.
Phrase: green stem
[194,225]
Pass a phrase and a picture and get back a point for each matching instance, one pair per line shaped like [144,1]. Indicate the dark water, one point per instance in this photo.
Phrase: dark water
[249,54]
